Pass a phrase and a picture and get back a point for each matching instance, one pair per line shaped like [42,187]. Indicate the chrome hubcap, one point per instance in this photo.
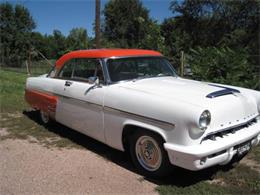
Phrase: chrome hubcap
[44,117]
[148,153]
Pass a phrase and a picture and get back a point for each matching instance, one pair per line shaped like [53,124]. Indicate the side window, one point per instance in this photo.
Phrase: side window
[67,69]
[82,69]
[85,68]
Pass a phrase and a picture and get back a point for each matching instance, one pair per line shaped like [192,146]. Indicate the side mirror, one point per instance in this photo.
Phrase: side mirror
[93,80]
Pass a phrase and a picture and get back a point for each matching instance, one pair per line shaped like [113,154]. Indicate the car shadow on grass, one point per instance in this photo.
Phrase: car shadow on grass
[183,178]
[179,177]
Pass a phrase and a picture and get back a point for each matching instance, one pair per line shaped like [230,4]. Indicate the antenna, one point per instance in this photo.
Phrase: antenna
[43,57]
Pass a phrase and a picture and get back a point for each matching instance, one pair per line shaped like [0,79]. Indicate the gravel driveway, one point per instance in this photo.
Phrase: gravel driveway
[30,168]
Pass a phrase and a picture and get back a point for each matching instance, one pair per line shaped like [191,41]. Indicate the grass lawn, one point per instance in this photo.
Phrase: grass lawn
[20,122]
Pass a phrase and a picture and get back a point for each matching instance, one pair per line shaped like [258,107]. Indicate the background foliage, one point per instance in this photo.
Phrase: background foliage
[223,65]
[220,39]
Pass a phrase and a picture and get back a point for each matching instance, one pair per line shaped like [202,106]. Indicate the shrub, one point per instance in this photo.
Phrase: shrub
[223,65]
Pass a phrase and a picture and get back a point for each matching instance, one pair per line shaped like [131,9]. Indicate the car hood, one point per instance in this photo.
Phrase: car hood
[193,92]
[227,109]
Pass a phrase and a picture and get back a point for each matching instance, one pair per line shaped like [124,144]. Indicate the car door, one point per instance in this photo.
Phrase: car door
[80,103]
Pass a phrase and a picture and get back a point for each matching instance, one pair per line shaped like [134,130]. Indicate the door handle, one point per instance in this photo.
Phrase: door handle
[68,83]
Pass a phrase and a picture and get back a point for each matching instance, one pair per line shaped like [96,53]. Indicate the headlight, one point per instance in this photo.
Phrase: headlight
[258,118]
[204,120]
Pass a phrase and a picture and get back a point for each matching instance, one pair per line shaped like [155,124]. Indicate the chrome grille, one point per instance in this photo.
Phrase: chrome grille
[231,130]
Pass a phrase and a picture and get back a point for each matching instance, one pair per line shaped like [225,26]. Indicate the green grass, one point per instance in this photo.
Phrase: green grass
[23,123]
[255,154]
[240,179]
[19,120]
[11,91]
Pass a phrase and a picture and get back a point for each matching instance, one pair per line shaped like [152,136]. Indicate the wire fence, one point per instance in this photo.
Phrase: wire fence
[32,68]
[42,67]
[256,58]
[257,70]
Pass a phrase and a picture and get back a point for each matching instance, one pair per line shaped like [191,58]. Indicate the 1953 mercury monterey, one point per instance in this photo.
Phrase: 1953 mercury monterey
[133,100]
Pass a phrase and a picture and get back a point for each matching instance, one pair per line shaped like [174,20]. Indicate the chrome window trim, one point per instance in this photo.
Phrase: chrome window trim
[109,82]
[100,60]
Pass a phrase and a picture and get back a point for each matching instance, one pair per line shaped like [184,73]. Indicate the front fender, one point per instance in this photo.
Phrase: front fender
[150,127]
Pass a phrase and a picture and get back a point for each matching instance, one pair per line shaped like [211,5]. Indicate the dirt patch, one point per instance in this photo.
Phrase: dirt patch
[15,115]
[3,132]
[32,139]
[251,163]
[218,181]
[29,168]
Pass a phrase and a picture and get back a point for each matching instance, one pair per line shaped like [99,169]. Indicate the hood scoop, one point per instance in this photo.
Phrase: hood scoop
[222,92]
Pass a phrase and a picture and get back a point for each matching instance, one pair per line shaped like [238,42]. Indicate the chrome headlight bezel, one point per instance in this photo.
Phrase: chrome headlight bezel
[257,118]
[204,120]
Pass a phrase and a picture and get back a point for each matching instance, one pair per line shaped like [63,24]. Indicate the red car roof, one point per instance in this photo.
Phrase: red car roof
[105,53]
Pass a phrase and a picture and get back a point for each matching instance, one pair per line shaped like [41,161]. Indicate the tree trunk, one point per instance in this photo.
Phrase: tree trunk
[97,24]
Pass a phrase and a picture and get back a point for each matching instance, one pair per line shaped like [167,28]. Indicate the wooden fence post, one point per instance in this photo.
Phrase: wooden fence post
[29,61]
[27,68]
[182,63]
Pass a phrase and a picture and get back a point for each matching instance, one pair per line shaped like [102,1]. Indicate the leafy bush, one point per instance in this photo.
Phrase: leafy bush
[223,65]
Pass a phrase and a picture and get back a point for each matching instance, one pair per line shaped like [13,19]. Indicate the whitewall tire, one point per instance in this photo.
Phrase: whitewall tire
[148,154]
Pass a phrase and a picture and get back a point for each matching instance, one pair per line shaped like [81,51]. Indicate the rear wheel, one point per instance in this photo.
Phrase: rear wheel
[148,154]
[44,117]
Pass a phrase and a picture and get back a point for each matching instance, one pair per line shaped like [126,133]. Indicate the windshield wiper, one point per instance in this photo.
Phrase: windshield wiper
[143,77]
[163,75]
[151,76]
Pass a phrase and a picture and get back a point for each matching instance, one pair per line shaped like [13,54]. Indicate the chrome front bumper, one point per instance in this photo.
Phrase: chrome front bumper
[212,152]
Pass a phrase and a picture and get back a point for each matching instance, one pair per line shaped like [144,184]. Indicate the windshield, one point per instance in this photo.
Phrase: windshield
[138,67]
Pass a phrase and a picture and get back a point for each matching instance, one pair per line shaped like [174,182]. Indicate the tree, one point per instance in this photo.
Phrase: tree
[213,26]
[38,43]
[176,39]
[77,39]
[16,25]
[212,23]
[58,44]
[125,22]
[55,45]
[153,39]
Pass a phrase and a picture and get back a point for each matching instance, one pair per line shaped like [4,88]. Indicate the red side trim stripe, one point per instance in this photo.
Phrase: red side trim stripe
[41,100]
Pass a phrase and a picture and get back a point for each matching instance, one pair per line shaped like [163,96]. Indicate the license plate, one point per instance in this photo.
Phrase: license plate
[243,148]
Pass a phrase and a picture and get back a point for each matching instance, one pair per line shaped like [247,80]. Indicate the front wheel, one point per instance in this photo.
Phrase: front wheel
[148,154]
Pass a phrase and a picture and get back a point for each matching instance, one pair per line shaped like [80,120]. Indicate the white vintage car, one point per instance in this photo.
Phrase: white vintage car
[133,100]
